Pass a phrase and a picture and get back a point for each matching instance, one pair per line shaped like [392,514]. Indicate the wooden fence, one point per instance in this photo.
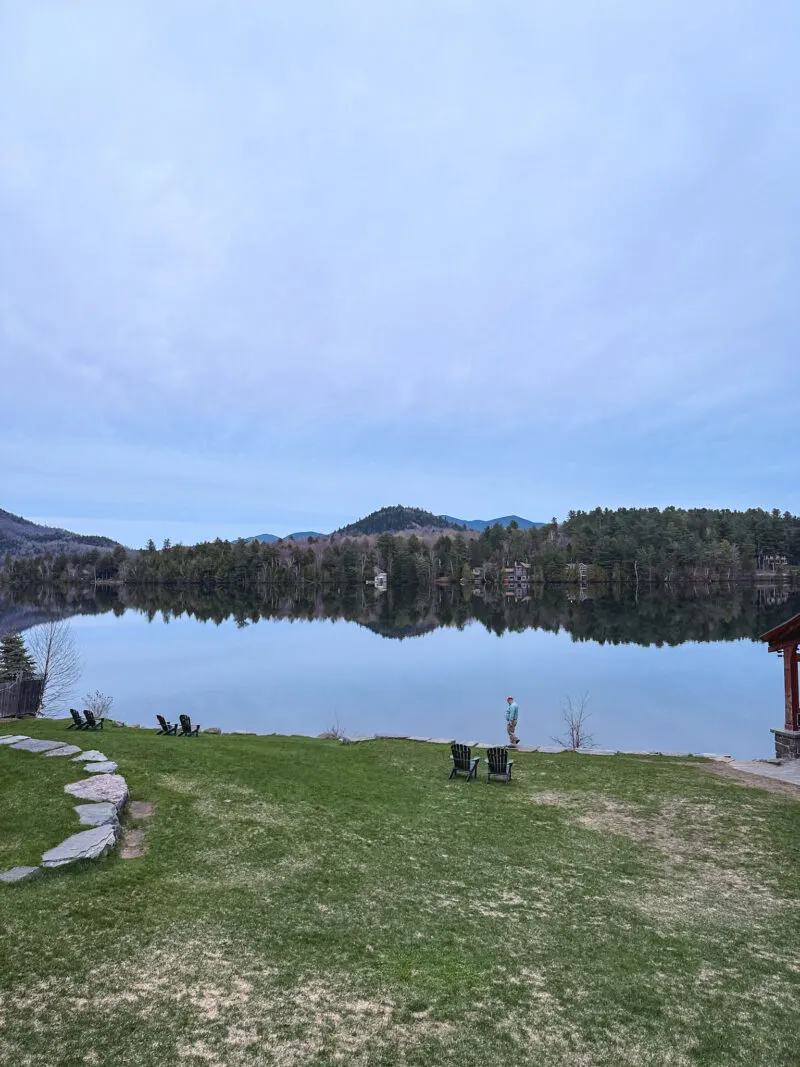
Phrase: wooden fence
[20,698]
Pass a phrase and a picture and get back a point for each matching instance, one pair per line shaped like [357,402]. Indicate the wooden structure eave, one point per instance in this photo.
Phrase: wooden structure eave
[787,633]
[784,640]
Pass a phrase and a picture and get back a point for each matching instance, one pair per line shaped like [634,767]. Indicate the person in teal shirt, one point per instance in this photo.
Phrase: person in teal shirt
[512,714]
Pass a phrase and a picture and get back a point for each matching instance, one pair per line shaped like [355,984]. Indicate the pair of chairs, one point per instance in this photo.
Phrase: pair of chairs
[185,726]
[87,722]
[498,763]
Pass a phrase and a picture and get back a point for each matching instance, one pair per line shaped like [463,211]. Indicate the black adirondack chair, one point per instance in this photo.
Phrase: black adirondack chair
[165,727]
[499,765]
[186,727]
[91,722]
[463,761]
[77,722]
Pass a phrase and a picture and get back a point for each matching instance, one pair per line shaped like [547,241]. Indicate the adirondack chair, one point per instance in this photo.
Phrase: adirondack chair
[165,727]
[186,727]
[77,722]
[499,764]
[463,761]
[91,722]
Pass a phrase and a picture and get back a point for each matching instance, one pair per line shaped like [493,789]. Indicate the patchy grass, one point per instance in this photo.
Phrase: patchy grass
[303,903]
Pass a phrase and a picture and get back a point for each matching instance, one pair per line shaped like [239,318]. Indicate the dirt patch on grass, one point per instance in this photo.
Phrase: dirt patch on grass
[214,1005]
[132,846]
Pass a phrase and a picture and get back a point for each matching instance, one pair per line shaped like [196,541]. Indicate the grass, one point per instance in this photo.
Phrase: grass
[303,902]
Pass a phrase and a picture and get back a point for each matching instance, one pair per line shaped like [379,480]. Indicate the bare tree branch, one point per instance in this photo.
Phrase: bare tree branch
[57,663]
[575,714]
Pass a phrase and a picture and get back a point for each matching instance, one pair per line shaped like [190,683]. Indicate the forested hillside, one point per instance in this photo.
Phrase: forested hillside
[393,519]
[20,537]
[628,545]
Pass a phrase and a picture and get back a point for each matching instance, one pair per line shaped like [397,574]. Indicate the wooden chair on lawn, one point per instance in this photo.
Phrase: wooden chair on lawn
[165,727]
[91,722]
[186,727]
[463,761]
[77,722]
[499,764]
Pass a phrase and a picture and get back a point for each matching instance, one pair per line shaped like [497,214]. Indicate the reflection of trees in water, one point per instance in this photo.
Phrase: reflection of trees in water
[605,614]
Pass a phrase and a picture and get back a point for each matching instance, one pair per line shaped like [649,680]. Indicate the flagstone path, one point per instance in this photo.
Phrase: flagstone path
[106,792]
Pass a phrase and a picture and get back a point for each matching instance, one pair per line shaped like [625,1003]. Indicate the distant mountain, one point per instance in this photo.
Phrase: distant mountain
[482,524]
[21,537]
[394,519]
[302,535]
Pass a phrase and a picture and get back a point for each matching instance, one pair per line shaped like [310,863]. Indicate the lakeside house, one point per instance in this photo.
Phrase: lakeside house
[380,581]
[520,572]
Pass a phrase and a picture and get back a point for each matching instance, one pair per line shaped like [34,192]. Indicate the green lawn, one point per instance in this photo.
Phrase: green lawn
[304,902]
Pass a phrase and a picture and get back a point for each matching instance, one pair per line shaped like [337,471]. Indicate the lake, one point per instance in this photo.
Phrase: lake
[668,671]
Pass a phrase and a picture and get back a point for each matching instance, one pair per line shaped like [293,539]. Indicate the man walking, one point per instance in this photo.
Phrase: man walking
[512,714]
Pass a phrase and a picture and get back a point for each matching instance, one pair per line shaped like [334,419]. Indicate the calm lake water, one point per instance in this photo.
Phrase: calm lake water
[676,672]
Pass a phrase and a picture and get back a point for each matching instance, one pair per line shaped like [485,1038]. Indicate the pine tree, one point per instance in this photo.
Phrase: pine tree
[14,658]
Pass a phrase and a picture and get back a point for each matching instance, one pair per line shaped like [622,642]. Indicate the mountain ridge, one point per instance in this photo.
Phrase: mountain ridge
[398,518]
[21,537]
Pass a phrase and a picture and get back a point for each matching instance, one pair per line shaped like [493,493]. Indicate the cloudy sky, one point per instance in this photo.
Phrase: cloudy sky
[268,266]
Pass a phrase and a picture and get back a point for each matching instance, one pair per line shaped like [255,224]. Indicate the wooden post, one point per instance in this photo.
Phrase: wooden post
[791,686]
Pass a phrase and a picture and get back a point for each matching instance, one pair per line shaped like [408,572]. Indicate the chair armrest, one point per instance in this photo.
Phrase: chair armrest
[510,763]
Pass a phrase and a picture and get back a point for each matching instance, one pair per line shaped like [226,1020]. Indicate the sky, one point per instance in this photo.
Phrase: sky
[269,266]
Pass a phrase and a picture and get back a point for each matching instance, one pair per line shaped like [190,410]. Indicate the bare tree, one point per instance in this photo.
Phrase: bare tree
[575,714]
[335,732]
[98,703]
[57,662]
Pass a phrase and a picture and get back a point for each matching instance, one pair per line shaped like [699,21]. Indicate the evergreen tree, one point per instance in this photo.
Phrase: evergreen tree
[14,658]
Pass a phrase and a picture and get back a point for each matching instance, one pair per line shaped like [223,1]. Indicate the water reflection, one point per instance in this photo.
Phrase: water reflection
[607,615]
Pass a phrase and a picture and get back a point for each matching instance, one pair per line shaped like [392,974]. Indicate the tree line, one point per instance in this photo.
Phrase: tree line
[637,545]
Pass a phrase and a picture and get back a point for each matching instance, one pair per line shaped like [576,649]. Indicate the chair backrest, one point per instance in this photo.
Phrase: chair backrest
[76,717]
[461,756]
[186,723]
[162,722]
[498,760]
[89,716]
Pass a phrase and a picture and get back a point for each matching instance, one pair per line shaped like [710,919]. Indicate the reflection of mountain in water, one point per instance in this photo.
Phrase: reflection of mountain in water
[606,615]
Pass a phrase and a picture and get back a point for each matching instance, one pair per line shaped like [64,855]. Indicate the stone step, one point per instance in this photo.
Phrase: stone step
[31,744]
[97,814]
[103,787]
[65,750]
[87,845]
[103,767]
[18,874]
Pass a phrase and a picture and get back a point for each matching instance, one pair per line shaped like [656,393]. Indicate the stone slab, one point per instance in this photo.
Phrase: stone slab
[65,750]
[441,740]
[103,767]
[103,787]
[552,748]
[92,756]
[97,814]
[392,737]
[212,730]
[18,874]
[597,751]
[527,748]
[676,755]
[12,739]
[87,845]
[418,739]
[35,745]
